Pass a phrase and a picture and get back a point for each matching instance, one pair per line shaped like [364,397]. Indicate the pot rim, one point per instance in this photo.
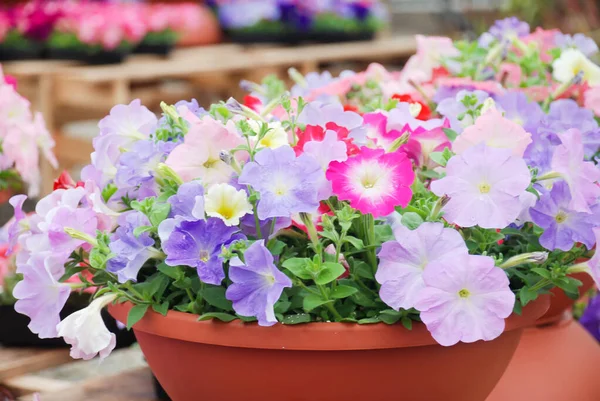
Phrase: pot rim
[318,336]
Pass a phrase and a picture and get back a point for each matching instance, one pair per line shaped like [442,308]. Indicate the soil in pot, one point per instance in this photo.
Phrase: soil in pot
[106,57]
[59,53]
[320,361]
[19,53]
[552,363]
[160,49]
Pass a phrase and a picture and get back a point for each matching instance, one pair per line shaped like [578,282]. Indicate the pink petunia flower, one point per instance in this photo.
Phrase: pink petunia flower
[511,74]
[430,52]
[373,181]
[545,41]
[592,99]
[198,156]
[581,176]
[495,131]
[484,185]
[403,261]
[466,299]
[422,143]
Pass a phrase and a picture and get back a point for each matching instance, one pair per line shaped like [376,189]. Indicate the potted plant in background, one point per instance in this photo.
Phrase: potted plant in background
[161,23]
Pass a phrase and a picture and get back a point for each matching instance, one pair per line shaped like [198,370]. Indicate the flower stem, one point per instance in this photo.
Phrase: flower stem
[368,226]
[329,305]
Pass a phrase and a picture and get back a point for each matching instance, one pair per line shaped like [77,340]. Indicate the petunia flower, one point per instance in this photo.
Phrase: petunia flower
[257,284]
[579,41]
[131,251]
[287,184]
[328,150]
[495,131]
[374,181]
[504,30]
[403,261]
[199,154]
[466,299]
[454,109]
[519,109]
[16,227]
[86,332]
[431,50]
[573,63]
[581,176]
[198,244]
[275,137]
[227,203]
[563,227]
[484,185]
[40,296]
[322,114]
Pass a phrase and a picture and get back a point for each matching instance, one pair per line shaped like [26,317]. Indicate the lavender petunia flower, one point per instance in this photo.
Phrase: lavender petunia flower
[15,228]
[579,41]
[320,114]
[455,110]
[198,244]
[505,30]
[518,108]
[581,176]
[591,317]
[312,81]
[246,14]
[287,184]
[484,185]
[562,226]
[466,299]
[40,296]
[137,166]
[131,251]
[539,152]
[403,261]
[192,106]
[188,203]
[257,284]
[267,228]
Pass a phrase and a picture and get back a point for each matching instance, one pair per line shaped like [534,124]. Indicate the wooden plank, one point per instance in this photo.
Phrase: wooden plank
[28,384]
[135,385]
[34,68]
[20,361]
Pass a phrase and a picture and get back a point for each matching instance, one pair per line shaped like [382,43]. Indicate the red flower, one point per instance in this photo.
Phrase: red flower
[252,102]
[349,107]
[425,113]
[317,133]
[65,181]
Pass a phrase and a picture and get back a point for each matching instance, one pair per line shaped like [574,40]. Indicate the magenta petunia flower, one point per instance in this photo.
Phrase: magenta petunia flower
[581,176]
[466,299]
[484,185]
[373,181]
[403,261]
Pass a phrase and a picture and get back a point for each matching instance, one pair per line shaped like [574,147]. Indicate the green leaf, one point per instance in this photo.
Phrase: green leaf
[383,233]
[136,314]
[141,229]
[312,301]
[329,272]
[450,133]
[215,296]
[161,308]
[282,306]
[355,242]
[343,291]
[542,272]
[438,157]
[224,317]
[297,266]
[406,322]
[158,213]
[276,247]
[169,271]
[297,319]
[369,320]
[411,220]
[362,269]
[526,295]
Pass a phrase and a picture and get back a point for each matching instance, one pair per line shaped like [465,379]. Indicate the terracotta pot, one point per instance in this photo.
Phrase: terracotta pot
[5,195]
[553,363]
[206,32]
[320,361]
[560,302]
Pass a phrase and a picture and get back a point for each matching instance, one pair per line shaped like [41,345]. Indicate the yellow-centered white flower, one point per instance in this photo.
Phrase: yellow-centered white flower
[572,62]
[227,203]
[274,138]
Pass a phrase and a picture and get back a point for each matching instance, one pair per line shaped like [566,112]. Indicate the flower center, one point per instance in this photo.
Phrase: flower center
[210,163]
[484,188]
[281,188]
[270,279]
[560,217]
[464,293]
[204,255]
[226,211]
[368,180]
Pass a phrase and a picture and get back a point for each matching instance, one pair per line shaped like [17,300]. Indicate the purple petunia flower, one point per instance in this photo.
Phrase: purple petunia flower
[131,251]
[198,244]
[539,152]
[518,108]
[257,284]
[591,317]
[581,176]
[267,229]
[319,114]
[40,296]
[403,261]
[188,203]
[287,184]
[566,114]
[246,14]
[15,228]
[466,299]
[504,30]
[579,41]
[192,106]
[562,226]
[455,110]
[484,185]
[312,81]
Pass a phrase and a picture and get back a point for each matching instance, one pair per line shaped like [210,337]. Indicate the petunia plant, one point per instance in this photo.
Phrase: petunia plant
[361,199]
